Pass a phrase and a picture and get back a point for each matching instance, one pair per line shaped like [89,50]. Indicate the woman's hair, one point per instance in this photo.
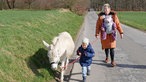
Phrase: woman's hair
[105,5]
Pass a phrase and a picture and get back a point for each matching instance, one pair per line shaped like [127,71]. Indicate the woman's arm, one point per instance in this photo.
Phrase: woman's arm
[98,26]
[119,28]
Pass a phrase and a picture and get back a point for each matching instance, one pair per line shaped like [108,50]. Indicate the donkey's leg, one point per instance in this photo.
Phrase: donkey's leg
[66,63]
[62,71]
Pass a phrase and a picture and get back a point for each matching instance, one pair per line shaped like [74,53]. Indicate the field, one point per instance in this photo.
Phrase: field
[134,19]
[22,55]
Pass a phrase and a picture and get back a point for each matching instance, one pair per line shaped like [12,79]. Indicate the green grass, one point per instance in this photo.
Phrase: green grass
[23,57]
[134,19]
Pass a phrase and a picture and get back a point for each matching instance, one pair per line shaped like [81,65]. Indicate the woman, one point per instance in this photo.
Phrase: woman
[109,41]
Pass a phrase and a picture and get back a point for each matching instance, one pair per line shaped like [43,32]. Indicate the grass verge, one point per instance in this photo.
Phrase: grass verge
[22,55]
[134,19]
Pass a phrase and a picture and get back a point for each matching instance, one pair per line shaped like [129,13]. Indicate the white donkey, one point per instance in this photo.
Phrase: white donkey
[60,50]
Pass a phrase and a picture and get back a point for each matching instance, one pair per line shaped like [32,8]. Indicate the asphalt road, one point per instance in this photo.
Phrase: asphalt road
[130,56]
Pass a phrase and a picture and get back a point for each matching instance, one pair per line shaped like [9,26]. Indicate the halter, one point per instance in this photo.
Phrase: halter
[53,63]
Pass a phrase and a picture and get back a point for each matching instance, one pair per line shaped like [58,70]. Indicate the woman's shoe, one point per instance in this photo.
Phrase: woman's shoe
[113,64]
[106,60]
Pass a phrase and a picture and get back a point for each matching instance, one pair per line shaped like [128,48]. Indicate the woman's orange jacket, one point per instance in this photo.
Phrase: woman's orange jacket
[109,42]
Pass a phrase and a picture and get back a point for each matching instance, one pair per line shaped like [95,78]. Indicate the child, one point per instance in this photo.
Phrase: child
[86,52]
[108,27]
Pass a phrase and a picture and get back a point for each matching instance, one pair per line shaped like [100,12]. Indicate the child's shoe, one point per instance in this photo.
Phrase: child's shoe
[84,78]
[88,72]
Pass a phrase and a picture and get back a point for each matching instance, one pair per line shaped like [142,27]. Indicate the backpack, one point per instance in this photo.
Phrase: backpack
[108,26]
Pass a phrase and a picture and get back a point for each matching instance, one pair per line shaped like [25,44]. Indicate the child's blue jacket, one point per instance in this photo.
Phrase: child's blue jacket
[86,55]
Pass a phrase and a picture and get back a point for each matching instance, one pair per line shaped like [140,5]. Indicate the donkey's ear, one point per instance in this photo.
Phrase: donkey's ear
[46,44]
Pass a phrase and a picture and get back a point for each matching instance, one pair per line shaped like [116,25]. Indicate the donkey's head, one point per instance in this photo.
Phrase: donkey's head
[53,55]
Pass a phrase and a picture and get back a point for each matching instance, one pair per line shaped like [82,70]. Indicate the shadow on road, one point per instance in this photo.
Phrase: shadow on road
[76,73]
[102,63]
[69,73]
[76,80]
[132,66]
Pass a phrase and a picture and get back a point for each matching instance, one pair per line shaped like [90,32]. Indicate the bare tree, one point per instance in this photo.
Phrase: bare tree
[69,3]
[13,3]
[29,2]
[142,4]
[8,4]
[72,4]
[1,4]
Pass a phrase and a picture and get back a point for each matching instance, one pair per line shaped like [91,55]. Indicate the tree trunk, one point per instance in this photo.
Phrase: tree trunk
[8,4]
[1,3]
[13,4]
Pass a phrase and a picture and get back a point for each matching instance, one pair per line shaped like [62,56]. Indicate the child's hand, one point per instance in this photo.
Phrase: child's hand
[79,53]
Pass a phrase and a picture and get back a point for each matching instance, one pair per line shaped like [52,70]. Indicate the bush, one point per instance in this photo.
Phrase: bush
[80,7]
[77,6]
